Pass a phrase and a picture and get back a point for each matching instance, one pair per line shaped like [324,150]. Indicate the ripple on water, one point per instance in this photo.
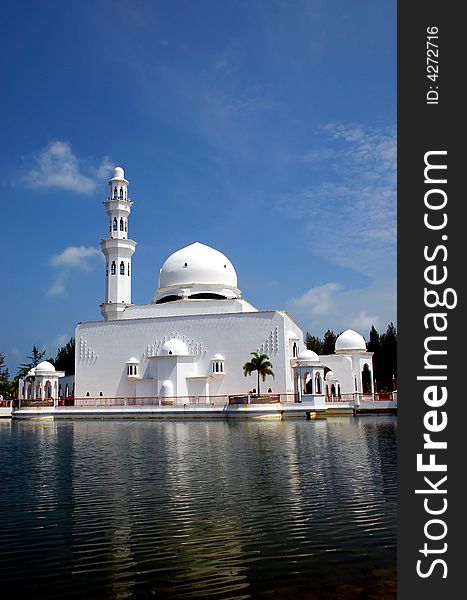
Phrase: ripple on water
[146,509]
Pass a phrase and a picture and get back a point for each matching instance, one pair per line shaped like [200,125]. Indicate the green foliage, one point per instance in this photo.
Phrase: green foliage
[259,363]
[314,343]
[35,358]
[65,359]
[321,346]
[5,384]
[384,347]
[329,342]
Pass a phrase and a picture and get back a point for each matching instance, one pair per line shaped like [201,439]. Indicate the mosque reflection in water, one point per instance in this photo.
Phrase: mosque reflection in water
[189,509]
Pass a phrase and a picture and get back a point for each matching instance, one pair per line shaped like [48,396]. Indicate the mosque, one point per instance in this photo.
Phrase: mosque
[193,338]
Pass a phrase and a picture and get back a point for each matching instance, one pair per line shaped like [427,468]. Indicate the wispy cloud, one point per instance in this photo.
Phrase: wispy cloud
[75,257]
[57,166]
[350,213]
[72,258]
[334,306]
[57,288]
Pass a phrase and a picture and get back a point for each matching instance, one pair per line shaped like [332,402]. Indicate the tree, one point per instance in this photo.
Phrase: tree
[389,357]
[259,363]
[314,343]
[34,360]
[384,347]
[374,345]
[4,377]
[65,359]
[329,342]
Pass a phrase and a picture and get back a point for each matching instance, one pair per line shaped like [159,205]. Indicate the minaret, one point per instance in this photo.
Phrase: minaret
[117,249]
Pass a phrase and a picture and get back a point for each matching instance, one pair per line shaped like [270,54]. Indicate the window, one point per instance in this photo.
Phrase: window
[121,193]
[122,268]
[115,224]
[107,269]
[121,223]
[113,268]
[126,224]
[318,383]
[128,269]
[115,193]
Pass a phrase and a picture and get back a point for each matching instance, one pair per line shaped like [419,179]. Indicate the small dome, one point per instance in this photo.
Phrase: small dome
[350,341]
[330,376]
[132,361]
[307,356]
[119,173]
[44,367]
[217,357]
[175,347]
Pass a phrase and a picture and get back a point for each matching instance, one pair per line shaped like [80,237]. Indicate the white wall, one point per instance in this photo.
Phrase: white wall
[102,349]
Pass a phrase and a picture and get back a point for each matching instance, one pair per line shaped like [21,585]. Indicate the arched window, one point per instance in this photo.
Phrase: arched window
[115,224]
[318,383]
[128,269]
[113,268]
[333,390]
[107,269]
[115,193]
[121,193]
[294,349]
[122,268]
[308,383]
[121,223]
[366,379]
[126,224]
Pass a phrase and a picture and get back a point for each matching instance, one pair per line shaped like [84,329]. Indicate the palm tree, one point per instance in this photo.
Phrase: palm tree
[259,363]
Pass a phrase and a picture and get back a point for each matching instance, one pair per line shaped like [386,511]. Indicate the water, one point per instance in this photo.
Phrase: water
[198,509]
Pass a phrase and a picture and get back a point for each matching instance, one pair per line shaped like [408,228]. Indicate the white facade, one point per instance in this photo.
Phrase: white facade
[193,339]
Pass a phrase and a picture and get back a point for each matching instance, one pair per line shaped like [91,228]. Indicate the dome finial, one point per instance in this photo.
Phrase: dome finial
[119,173]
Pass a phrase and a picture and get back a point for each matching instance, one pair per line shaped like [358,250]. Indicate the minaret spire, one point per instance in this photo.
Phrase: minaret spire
[117,248]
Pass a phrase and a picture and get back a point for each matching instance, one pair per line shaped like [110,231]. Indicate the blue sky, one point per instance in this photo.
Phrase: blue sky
[265,129]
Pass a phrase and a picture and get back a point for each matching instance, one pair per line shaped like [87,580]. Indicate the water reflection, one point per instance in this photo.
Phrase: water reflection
[143,509]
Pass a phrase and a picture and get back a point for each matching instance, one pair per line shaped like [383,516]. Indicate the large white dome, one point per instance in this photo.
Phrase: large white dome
[197,269]
[350,341]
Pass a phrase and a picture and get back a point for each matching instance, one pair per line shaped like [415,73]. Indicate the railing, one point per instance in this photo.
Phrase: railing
[358,397]
[189,401]
[141,401]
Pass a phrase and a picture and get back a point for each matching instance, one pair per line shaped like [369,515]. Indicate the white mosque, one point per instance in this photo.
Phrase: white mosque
[193,338]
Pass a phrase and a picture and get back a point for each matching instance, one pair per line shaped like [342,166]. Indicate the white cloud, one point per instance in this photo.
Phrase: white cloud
[350,215]
[56,166]
[75,257]
[57,288]
[318,300]
[61,340]
[333,306]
